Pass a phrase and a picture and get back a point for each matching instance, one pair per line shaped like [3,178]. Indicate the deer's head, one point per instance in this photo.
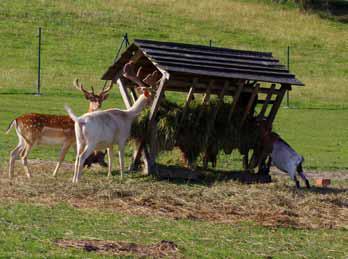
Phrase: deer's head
[146,83]
[95,100]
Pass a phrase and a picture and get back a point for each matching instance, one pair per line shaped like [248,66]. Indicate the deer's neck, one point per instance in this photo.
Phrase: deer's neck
[137,107]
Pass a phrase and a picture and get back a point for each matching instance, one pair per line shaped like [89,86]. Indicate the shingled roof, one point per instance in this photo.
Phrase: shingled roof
[203,61]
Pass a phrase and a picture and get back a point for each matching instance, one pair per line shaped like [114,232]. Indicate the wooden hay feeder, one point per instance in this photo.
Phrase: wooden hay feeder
[251,78]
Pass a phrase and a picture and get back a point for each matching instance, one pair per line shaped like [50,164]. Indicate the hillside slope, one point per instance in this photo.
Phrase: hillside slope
[81,38]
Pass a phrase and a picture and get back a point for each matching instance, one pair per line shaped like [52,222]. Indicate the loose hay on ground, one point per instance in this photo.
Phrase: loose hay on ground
[275,204]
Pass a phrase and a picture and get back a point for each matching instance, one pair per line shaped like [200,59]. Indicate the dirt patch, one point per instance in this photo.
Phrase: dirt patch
[162,249]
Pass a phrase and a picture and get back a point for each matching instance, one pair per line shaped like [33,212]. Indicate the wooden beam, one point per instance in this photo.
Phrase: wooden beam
[124,93]
[183,85]
[250,104]
[267,101]
[157,101]
[235,101]
[152,124]
[150,156]
[277,104]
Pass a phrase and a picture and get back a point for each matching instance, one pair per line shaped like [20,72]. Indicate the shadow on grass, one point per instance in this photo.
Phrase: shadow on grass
[327,190]
[208,177]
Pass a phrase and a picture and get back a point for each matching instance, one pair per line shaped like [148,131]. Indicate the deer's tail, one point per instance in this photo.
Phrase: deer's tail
[10,126]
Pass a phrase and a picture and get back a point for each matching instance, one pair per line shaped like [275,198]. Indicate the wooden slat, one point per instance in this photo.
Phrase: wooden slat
[224,69]
[267,101]
[157,100]
[214,58]
[188,101]
[234,102]
[250,104]
[216,91]
[277,104]
[124,93]
[263,102]
[209,73]
[215,52]
[205,47]
[183,86]
[204,102]
[133,94]
[229,64]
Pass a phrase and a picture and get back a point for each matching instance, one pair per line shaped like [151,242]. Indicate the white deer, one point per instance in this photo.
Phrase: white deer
[104,129]
[35,129]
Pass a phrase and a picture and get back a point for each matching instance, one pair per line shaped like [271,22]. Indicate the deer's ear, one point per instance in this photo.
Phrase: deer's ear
[104,97]
[88,96]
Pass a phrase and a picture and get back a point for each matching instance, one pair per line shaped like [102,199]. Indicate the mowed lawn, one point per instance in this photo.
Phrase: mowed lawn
[80,40]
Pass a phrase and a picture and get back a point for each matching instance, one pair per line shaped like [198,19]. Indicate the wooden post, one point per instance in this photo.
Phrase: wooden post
[124,93]
[39,66]
[250,104]
[152,123]
[267,100]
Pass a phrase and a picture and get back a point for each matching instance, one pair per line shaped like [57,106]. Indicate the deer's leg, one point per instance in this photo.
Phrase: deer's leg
[62,154]
[79,150]
[292,173]
[110,154]
[14,155]
[85,154]
[25,154]
[302,175]
[246,160]
[121,158]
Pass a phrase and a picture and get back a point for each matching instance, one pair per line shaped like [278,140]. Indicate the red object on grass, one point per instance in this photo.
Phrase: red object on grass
[322,182]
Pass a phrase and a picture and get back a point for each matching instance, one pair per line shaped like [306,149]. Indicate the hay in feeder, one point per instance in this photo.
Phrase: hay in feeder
[194,136]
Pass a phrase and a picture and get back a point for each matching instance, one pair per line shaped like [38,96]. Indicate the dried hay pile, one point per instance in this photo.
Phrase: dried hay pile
[193,134]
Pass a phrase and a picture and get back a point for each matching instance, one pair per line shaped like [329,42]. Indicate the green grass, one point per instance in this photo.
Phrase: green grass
[80,39]
[32,229]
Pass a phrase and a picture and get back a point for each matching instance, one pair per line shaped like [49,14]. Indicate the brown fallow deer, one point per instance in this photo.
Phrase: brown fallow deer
[35,129]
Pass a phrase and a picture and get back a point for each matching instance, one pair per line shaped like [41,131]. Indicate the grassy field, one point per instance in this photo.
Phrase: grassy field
[80,40]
